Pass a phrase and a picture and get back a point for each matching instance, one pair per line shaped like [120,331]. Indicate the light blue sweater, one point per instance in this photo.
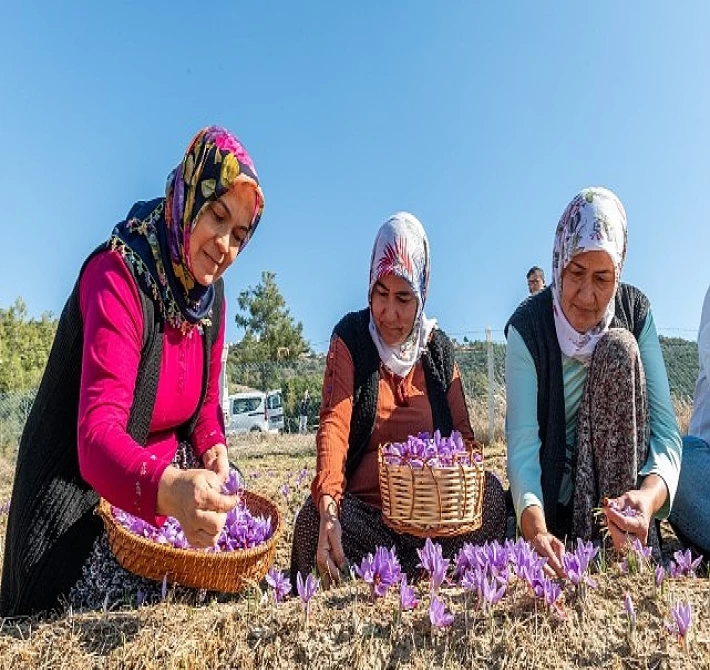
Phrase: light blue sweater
[521,427]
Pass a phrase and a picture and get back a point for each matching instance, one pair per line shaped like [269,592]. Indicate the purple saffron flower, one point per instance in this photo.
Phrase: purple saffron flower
[380,571]
[576,565]
[682,616]
[629,609]
[432,559]
[279,583]
[285,491]
[306,589]
[303,475]
[551,592]
[684,565]
[407,599]
[438,575]
[438,615]
[233,483]
[660,576]
[490,593]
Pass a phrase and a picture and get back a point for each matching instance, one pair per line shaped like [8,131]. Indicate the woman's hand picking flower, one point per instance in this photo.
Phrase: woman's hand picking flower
[193,497]
[630,515]
[330,557]
[216,460]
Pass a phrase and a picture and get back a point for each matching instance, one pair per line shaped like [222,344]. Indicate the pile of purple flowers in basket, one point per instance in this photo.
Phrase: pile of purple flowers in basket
[436,451]
[241,531]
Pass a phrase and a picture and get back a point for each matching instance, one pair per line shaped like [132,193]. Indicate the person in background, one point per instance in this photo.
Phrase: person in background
[390,373]
[589,413]
[130,395]
[303,413]
[690,515]
[536,279]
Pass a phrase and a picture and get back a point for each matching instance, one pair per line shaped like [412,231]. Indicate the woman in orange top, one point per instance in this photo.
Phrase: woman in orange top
[390,373]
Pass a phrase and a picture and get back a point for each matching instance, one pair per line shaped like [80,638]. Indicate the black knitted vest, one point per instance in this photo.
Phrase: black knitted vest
[437,361]
[534,321]
[52,527]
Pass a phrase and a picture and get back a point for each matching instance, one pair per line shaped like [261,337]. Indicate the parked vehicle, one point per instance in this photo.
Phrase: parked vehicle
[255,411]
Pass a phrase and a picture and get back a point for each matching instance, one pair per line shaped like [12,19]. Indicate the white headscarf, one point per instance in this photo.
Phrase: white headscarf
[595,220]
[402,249]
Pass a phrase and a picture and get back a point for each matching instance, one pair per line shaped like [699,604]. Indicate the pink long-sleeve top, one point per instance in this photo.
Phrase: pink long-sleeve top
[110,460]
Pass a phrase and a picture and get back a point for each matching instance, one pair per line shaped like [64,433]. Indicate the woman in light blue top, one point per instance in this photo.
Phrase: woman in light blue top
[589,413]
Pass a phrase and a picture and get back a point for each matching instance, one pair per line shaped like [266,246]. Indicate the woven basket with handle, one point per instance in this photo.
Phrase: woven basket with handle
[227,571]
[431,501]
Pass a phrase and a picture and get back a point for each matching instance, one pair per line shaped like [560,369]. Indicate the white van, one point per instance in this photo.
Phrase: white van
[254,411]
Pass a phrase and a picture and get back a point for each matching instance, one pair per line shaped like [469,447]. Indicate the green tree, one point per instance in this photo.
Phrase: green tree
[271,336]
[270,332]
[24,347]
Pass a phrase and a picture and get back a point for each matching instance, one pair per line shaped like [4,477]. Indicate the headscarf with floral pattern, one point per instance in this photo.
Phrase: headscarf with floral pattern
[402,249]
[595,220]
[155,237]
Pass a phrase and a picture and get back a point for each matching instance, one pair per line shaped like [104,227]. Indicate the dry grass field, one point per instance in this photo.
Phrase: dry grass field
[345,629]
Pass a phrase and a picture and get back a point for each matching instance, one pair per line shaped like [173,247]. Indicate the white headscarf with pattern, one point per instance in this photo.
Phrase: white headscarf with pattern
[402,249]
[595,220]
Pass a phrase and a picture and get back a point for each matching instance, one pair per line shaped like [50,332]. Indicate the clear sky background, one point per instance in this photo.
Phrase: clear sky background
[482,118]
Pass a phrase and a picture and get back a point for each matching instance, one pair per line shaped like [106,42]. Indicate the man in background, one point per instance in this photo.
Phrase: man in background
[303,413]
[536,279]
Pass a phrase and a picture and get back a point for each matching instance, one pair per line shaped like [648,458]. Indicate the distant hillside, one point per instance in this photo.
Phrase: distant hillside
[680,356]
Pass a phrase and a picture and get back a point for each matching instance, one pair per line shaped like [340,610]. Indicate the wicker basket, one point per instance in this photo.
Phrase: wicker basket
[228,572]
[431,501]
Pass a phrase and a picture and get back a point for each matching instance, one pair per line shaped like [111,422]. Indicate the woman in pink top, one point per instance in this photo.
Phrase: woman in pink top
[131,388]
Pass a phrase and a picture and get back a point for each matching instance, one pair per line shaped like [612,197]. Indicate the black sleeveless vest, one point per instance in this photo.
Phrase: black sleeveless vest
[437,361]
[51,526]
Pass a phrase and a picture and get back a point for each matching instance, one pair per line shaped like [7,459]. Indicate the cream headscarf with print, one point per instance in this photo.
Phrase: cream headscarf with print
[595,220]
[402,249]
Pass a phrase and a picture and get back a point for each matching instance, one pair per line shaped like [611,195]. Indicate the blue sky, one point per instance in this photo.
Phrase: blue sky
[483,119]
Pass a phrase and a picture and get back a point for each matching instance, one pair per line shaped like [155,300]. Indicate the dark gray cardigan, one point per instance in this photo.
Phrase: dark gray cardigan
[534,321]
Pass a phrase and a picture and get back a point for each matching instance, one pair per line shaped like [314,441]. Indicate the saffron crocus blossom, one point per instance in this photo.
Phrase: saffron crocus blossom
[576,565]
[302,476]
[627,510]
[472,579]
[436,451]
[630,611]
[233,483]
[407,599]
[279,583]
[637,557]
[682,617]
[660,575]
[431,558]
[242,530]
[684,565]
[380,571]
[549,591]
[438,615]
[306,590]
[492,591]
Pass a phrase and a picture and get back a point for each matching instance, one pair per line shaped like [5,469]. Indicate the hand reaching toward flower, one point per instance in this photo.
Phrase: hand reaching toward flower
[193,497]
[534,527]
[330,557]
[216,460]
[630,515]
